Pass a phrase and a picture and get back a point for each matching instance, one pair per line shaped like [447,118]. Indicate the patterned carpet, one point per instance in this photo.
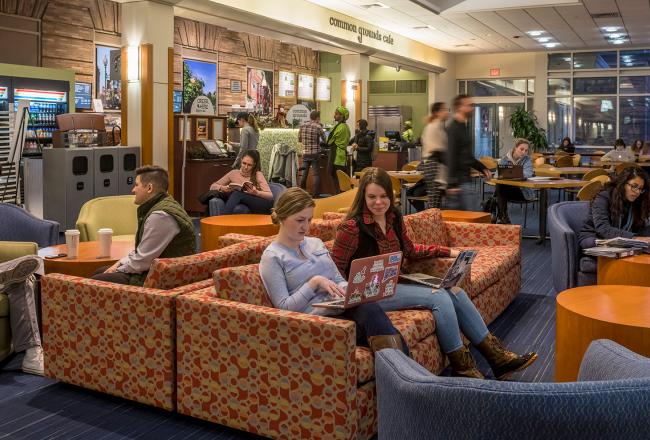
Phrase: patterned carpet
[38,408]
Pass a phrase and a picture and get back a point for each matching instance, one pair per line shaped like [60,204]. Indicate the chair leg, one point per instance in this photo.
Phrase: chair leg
[525,213]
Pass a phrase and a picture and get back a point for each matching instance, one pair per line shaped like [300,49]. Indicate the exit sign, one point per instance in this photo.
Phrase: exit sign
[495,72]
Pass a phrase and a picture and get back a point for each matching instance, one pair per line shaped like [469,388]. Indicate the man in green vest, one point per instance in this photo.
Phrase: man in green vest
[164,229]
[407,135]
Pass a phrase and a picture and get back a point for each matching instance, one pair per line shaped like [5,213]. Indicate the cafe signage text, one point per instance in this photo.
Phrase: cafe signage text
[362,31]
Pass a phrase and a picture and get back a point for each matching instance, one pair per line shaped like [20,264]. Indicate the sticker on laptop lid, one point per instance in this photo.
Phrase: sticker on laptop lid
[394,258]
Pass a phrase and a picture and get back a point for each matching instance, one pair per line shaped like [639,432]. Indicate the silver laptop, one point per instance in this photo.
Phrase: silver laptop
[455,274]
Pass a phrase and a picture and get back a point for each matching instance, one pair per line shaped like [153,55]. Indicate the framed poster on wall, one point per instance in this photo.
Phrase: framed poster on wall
[108,84]
[259,91]
[201,128]
[286,84]
[199,79]
[305,87]
[323,89]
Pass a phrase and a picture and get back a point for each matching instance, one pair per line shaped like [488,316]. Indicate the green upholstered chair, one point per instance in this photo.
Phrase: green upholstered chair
[116,212]
[8,251]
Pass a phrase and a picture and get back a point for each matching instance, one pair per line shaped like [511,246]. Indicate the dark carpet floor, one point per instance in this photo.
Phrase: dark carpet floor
[33,407]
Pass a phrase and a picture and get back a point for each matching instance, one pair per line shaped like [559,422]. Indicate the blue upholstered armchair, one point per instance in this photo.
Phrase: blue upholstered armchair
[19,225]
[565,220]
[217,205]
[610,400]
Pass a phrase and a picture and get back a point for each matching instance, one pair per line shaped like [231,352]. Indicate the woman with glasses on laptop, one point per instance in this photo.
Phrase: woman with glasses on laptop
[506,193]
[621,209]
[375,226]
[298,272]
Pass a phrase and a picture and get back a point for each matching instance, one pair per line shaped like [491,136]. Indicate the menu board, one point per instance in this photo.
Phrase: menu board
[83,95]
[305,87]
[323,89]
[286,84]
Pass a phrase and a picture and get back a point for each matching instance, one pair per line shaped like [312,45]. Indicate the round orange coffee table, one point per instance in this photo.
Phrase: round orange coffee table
[631,271]
[619,313]
[214,227]
[87,261]
[451,215]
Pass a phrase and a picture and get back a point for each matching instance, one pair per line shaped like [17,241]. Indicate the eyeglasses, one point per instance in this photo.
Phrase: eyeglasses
[636,188]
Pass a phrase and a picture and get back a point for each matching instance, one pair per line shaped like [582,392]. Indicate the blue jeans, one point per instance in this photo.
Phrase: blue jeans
[257,205]
[371,320]
[452,309]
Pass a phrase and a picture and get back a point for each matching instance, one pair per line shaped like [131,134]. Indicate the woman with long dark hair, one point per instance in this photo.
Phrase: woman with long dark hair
[621,209]
[246,186]
[567,146]
[375,226]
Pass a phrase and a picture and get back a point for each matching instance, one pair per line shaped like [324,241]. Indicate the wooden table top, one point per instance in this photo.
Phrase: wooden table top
[238,220]
[624,305]
[561,171]
[600,163]
[452,215]
[556,183]
[88,251]
[407,176]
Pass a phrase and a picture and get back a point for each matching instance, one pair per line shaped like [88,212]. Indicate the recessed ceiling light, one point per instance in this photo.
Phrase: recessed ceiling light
[550,45]
[618,41]
[544,39]
[535,33]
[616,36]
[610,28]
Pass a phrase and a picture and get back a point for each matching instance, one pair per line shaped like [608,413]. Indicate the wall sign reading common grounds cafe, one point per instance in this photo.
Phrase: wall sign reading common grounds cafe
[362,31]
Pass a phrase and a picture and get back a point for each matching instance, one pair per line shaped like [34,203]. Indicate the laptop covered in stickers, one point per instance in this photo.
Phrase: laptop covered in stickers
[371,279]
[455,274]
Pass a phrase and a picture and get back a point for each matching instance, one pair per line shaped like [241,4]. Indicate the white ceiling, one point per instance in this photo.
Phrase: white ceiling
[501,25]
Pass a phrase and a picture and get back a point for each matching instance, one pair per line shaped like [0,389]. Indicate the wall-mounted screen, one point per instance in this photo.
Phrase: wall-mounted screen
[323,89]
[305,87]
[108,81]
[286,84]
[259,91]
[83,95]
[199,79]
[178,101]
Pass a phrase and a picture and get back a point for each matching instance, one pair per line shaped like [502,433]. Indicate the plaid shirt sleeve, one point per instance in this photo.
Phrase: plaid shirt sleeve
[345,244]
[416,251]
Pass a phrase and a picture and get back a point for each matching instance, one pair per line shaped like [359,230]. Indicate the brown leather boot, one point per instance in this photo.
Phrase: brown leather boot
[380,342]
[503,361]
[463,364]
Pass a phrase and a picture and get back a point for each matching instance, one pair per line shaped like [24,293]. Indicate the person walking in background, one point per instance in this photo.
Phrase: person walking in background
[250,135]
[434,157]
[338,141]
[363,144]
[461,157]
[310,135]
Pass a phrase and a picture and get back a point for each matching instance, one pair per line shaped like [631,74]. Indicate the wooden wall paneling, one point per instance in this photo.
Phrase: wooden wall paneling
[124,69]
[146,87]
[170,117]
[68,13]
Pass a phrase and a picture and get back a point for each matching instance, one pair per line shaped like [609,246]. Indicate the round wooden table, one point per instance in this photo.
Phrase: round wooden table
[214,227]
[631,271]
[619,313]
[452,215]
[87,261]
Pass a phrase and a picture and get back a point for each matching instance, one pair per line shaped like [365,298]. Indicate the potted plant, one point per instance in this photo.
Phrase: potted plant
[524,124]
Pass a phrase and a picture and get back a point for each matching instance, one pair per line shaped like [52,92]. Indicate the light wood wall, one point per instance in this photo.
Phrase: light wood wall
[234,52]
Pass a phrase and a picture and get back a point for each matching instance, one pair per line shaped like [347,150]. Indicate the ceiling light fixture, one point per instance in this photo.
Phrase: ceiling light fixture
[376,5]
[621,41]
[550,45]
[610,28]
[544,39]
[535,33]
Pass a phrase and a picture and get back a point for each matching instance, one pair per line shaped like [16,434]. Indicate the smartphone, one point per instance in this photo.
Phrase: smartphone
[49,257]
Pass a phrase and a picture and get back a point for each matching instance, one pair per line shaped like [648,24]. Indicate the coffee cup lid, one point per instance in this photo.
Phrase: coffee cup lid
[72,232]
[105,231]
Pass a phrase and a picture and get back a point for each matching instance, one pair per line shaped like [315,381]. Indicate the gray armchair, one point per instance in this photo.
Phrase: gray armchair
[216,205]
[19,225]
[610,400]
[570,269]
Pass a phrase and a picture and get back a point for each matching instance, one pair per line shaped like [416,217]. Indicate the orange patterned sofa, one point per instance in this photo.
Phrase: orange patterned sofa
[245,364]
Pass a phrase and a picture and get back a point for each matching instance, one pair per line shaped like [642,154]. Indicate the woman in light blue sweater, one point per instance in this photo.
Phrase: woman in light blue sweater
[298,272]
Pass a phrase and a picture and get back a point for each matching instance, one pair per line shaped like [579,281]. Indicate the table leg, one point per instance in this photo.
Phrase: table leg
[543,205]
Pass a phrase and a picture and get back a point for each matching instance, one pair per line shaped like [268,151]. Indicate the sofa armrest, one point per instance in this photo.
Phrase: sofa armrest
[234,238]
[482,234]
[15,249]
[112,338]
[267,371]
[607,360]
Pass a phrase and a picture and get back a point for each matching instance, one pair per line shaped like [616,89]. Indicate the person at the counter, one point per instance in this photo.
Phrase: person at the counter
[246,186]
[362,144]
[407,135]
[338,141]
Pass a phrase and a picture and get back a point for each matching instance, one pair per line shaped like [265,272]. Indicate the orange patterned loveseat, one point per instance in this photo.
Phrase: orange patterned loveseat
[245,364]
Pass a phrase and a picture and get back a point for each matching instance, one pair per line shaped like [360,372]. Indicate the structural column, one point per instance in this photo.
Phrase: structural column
[147,37]
[355,73]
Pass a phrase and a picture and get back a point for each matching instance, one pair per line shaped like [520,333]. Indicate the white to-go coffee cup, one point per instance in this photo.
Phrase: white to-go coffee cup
[72,242]
[105,240]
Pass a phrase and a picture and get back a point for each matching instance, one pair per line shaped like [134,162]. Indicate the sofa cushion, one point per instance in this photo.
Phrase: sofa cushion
[588,264]
[4,305]
[324,229]
[491,263]
[242,284]
[414,325]
[426,227]
[167,273]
